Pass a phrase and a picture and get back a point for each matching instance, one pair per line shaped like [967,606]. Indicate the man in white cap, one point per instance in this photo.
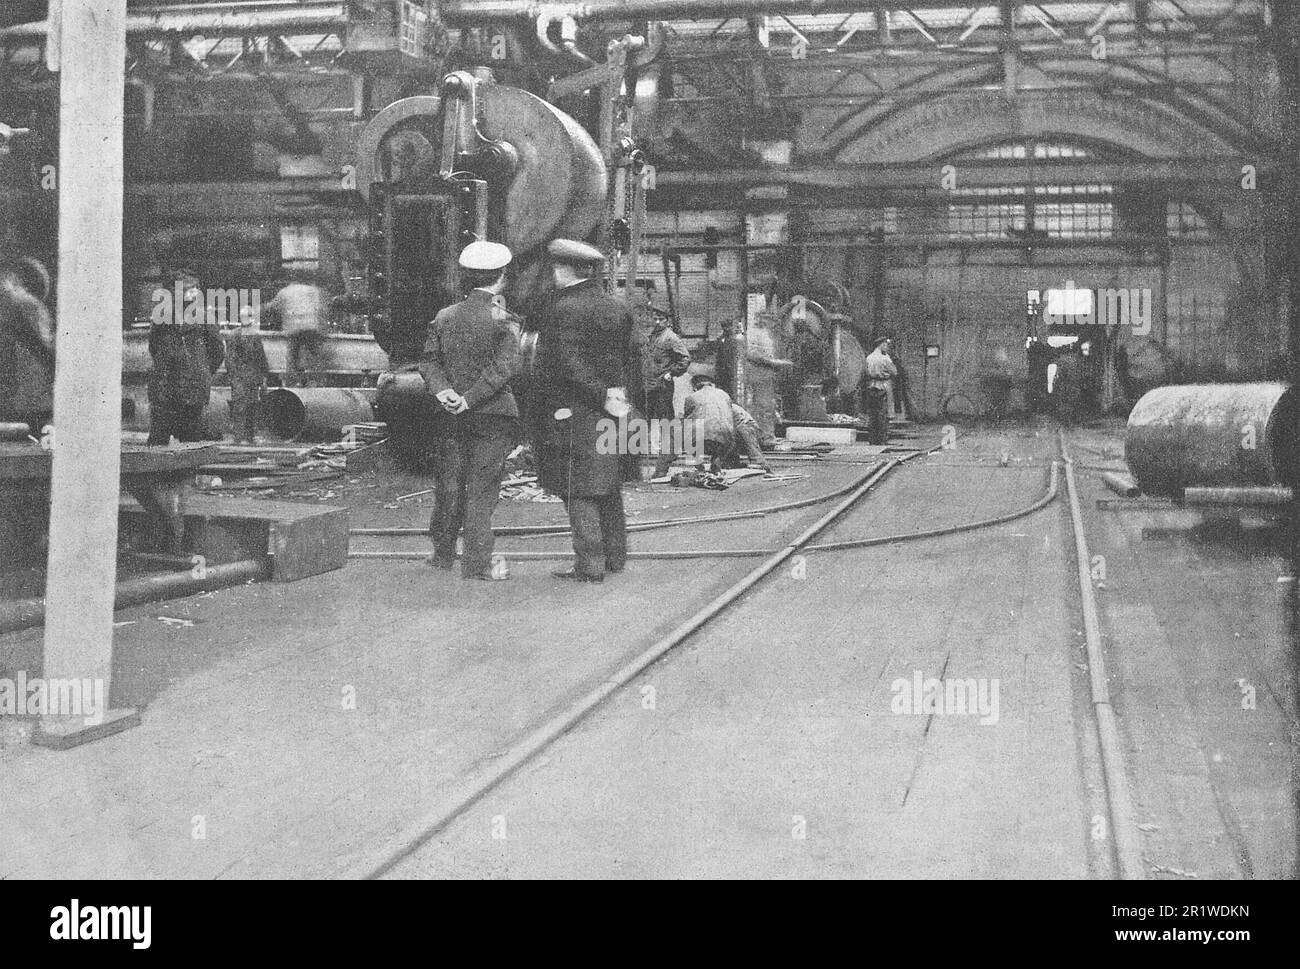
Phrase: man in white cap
[580,378]
[471,355]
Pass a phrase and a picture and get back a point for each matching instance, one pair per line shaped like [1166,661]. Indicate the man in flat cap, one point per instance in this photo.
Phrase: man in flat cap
[471,354]
[580,378]
[186,351]
[664,359]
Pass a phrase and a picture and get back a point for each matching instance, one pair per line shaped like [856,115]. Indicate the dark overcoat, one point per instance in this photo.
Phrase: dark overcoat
[185,356]
[582,351]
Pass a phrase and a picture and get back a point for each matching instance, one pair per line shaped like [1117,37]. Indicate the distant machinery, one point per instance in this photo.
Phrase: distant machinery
[478,161]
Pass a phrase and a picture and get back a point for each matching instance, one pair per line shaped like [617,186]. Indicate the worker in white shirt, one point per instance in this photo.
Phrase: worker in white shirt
[710,406]
[764,369]
[881,371]
[300,310]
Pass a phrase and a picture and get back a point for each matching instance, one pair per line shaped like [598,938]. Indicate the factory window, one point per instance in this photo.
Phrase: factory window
[856,225]
[1052,211]
[299,247]
[1184,222]
[1073,189]
[1075,220]
[414,23]
[1195,324]
[985,191]
[985,221]
[884,220]
[1032,149]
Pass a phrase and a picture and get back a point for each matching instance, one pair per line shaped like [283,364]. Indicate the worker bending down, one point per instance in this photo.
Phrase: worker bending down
[469,358]
[726,427]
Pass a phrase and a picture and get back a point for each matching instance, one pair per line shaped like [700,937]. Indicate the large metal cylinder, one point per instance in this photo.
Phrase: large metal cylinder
[1214,436]
[314,413]
[215,420]
[349,353]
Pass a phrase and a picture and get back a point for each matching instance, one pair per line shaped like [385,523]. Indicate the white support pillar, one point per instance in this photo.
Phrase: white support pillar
[88,375]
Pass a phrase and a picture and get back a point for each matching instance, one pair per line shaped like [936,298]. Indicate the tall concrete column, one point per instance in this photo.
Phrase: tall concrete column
[88,374]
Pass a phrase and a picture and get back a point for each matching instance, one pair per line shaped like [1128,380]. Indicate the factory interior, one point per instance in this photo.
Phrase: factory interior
[993,576]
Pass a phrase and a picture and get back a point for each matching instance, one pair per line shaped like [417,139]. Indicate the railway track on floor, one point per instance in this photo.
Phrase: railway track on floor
[475,787]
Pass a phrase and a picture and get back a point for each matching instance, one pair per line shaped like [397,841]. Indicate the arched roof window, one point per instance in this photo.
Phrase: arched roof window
[1025,207]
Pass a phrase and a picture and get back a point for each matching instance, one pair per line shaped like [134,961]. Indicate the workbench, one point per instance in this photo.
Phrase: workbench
[157,477]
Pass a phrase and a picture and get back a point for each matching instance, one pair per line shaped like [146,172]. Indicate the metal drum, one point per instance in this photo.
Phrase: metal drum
[1214,436]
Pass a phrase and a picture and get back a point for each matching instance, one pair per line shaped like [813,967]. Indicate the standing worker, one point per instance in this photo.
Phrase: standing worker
[665,358]
[299,310]
[1067,388]
[765,369]
[186,350]
[881,371]
[247,368]
[471,354]
[581,377]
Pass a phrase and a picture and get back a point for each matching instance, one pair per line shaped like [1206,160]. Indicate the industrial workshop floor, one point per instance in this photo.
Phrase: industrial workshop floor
[296,730]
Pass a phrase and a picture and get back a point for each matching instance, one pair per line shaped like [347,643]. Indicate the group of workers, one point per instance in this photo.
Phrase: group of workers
[469,359]
[186,353]
[593,363]
[584,374]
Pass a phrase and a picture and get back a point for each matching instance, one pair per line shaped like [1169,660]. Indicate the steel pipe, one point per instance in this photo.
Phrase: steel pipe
[24,613]
[1127,838]
[215,419]
[469,12]
[1121,484]
[1214,436]
[380,860]
[1239,497]
[220,18]
[350,353]
[314,413]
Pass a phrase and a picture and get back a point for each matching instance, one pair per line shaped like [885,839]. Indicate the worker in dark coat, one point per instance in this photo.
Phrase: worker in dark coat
[26,346]
[1067,389]
[580,379]
[186,350]
[471,355]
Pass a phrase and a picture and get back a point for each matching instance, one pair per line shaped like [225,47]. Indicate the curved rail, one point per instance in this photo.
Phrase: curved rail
[472,790]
